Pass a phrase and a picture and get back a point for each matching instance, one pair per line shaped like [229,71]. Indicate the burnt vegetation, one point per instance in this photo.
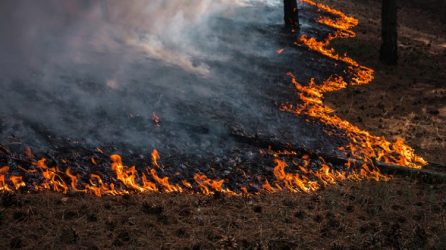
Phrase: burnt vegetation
[251,155]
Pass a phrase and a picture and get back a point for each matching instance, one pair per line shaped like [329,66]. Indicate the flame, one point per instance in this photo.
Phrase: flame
[52,179]
[74,181]
[210,186]
[17,181]
[3,184]
[300,182]
[155,157]
[293,182]
[365,146]
[299,177]
[164,182]
[130,180]
[127,175]
[97,187]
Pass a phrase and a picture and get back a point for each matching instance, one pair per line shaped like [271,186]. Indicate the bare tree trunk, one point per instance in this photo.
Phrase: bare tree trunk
[389,47]
[291,16]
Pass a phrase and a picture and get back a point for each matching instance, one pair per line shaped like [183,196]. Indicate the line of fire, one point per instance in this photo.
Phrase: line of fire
[200,99]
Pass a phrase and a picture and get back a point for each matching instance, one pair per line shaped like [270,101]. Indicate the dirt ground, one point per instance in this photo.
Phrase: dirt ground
[408,100]
[399,214]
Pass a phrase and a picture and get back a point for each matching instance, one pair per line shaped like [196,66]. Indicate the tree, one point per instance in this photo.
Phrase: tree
[291,16]
[389,47]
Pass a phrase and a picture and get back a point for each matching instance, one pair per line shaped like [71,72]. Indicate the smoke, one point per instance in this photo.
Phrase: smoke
[32,32]
[93,73]
[166,30]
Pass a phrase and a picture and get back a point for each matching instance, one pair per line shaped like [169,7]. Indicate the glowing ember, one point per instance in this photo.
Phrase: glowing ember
[156,119]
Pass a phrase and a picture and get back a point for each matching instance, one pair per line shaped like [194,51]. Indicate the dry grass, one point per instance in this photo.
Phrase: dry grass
[406,101]
[395,214]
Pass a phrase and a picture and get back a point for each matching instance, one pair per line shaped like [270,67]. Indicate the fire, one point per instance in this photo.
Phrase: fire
[97,187]
[127,175]
[52,178]
[292,182]
[155,157]
[74,181]
[300,180]
[210,186]
[3,184]
[17,181]
[133,181]
[300,176]
[164,182]
[366,146]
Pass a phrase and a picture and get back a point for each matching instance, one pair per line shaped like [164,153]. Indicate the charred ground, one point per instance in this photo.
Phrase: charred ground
[401,213]
[213,123]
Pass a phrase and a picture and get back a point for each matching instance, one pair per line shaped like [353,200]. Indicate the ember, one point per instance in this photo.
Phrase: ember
[156,120]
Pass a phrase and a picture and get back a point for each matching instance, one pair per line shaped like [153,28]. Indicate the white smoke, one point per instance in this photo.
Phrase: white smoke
[164,30]
[167,26]
[84,68]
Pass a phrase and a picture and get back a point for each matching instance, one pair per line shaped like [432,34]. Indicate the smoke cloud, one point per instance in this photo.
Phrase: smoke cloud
[94,72]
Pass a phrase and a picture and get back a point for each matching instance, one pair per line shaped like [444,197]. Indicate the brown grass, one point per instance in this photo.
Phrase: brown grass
[396,214]
[407,100]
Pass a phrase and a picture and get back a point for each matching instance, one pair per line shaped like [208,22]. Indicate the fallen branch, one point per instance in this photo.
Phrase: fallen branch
[432,174]
[426,174]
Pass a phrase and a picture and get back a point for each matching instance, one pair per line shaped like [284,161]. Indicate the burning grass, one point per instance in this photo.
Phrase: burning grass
[304,175]
[363,146]
[365,209]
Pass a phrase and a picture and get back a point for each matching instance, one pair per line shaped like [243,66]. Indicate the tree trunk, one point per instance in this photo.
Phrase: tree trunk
[389,47]
[291,16]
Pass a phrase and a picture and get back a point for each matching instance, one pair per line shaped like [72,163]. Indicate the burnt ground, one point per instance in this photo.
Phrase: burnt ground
[213,124]
[399,214]
[408,100]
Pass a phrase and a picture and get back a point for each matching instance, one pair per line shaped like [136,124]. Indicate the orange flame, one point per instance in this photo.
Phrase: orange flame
[366,146]
[210,186]
[295,182]
[302,178]
[155,158]
[3,185]
[52,180]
